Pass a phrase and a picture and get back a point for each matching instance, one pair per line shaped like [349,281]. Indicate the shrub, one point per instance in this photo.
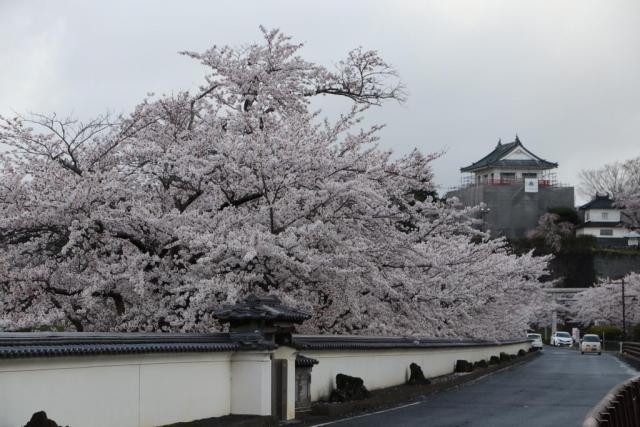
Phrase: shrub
[609,332]
[566,214]
[463,366]
[481,364]
[634,334]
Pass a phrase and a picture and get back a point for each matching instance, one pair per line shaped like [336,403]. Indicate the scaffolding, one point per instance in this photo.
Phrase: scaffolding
[545,180]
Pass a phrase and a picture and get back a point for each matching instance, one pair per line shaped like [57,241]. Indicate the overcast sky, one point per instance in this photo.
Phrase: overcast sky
[564,75]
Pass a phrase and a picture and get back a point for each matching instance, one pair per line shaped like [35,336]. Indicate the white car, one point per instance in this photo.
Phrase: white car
[560,338]
[536,340]
[590,343]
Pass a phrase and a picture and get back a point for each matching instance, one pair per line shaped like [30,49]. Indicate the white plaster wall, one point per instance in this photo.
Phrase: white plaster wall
[595,231]
[519,154]
[386,368]
[122,391]
[251,383]
[613,215]
[152,390]
[184,388]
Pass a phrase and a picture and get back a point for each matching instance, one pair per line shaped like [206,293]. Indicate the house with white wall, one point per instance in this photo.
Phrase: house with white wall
[602,219]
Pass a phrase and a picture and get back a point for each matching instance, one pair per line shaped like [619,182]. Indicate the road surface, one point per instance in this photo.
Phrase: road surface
[556,389]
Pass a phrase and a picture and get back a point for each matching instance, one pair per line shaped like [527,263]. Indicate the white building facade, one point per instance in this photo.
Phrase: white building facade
[602,220]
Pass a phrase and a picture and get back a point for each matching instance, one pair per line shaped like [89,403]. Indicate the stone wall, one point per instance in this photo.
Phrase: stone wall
[615,265]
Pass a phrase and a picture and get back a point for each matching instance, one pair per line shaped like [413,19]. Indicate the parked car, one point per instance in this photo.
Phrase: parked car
[536,340]
[560,338]
[590,343]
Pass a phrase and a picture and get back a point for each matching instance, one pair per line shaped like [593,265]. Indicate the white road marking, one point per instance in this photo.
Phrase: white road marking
[366,415]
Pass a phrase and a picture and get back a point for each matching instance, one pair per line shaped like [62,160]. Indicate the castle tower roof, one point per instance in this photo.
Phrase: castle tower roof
[512,155]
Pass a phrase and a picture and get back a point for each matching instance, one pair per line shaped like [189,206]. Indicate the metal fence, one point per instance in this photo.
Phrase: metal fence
[611,345]
[619,408]
[631,352]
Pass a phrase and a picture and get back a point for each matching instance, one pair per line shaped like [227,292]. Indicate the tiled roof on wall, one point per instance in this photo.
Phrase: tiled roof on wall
[350,342]
[39,344]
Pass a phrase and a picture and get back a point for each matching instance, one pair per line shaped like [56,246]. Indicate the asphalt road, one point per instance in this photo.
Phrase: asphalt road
[557,389]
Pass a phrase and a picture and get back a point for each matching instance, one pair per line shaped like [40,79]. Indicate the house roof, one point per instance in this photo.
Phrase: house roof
[496,159]
[599,202]
[600,224]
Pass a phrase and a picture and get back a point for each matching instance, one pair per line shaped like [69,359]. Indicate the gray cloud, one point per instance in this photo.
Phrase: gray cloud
[563,75]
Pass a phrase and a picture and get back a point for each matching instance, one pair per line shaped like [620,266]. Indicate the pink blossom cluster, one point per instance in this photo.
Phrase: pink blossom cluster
[150,221]
[602,304]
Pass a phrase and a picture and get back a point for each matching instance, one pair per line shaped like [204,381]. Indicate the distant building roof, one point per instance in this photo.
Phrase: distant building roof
[496,159]
[601,224]
[599,202]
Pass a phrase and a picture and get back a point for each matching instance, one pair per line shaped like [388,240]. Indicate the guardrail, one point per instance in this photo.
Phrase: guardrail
[631,352]
[619,408]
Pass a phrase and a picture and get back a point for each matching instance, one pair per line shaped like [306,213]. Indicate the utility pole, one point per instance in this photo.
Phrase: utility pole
[624,315]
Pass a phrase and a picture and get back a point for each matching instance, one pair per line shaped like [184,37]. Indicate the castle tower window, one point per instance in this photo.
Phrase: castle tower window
[507,177]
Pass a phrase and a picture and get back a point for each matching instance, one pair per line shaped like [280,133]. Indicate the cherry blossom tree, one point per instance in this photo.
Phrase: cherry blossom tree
[551,229]
[150,221]
[630,204]
[603,302]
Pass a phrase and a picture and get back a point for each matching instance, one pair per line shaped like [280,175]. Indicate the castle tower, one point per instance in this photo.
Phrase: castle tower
[516,187]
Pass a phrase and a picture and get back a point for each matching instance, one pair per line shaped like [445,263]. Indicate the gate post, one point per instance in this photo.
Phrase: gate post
[275,323]
[279,388]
